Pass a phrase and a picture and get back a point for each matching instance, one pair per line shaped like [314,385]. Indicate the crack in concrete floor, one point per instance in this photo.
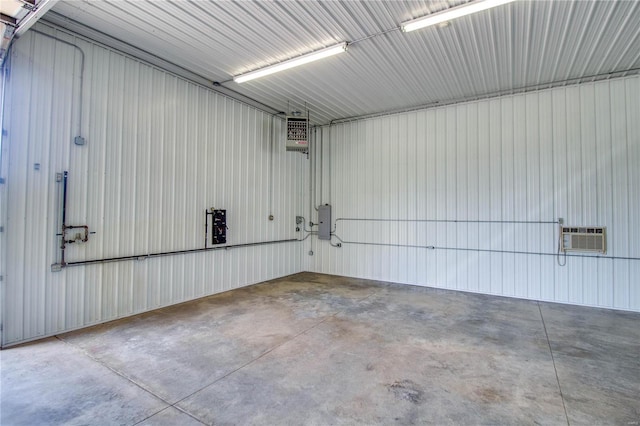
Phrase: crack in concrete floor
[319,349]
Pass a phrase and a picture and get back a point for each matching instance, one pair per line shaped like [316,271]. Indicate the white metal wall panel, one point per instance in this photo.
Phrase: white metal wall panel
[567,152]
[159,151]
[3,196]
[632,98]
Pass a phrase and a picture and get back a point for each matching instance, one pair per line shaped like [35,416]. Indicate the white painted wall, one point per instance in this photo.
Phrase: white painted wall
[571,152]
[159,151]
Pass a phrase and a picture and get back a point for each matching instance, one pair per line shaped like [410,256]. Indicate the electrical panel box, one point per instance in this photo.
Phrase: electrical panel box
[588,239]
[324,222]
[297,134]
[219,232]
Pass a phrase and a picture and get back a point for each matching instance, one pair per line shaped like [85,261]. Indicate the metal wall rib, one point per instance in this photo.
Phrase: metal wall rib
[567,152]
[159,151]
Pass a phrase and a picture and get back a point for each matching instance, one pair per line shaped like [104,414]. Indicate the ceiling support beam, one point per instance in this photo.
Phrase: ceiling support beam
[8,20]
[14,28]
[33,17]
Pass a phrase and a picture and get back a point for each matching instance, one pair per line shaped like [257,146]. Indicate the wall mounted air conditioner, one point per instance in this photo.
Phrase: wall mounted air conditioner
[297,134]
[589,239]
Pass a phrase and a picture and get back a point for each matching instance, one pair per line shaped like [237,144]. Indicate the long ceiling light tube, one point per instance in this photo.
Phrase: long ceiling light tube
[300,60]
[451,14]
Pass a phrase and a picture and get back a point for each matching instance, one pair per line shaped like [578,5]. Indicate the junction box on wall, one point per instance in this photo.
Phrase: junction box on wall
[324,222]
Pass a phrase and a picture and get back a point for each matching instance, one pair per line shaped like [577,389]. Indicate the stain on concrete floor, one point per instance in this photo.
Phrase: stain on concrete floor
[323,350]
[407,390]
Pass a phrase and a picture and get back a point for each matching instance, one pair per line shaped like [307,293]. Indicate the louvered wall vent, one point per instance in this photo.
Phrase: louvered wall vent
[591,239]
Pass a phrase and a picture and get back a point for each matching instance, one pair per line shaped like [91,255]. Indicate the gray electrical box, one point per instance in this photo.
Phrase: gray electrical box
[324,222]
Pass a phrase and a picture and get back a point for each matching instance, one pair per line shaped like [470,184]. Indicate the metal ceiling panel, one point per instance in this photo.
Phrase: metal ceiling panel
[506,49]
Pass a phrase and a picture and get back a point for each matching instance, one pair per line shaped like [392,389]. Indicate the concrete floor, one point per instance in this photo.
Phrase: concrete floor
[324,350]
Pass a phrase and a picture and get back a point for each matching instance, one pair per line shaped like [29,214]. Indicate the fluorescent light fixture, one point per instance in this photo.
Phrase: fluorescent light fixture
[300,60]
[451,14]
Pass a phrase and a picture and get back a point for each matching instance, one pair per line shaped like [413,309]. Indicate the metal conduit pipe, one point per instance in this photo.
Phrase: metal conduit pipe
[173,68]
[173,253]
[314,162]
[310,181]
[321,165]
[82,62]
[482,250]
[271,138]
[63,244]
[315,168]
[312,173]
[330,160]
[447,220]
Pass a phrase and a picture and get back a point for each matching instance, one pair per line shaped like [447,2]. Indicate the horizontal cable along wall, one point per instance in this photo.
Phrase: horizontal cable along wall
[467,196]
[159,151]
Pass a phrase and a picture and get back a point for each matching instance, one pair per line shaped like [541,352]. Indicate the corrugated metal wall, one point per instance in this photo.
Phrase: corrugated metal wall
[569,152]
[159,151]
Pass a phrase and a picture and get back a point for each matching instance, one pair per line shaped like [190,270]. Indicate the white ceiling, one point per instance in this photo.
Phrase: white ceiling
[512,47]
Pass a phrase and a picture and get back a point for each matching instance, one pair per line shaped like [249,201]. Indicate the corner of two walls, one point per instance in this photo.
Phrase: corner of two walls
[159,151]
[483,182]
[474,180]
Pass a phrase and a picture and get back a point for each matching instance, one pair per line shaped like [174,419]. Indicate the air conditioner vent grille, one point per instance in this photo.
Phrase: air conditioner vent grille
[588,239]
